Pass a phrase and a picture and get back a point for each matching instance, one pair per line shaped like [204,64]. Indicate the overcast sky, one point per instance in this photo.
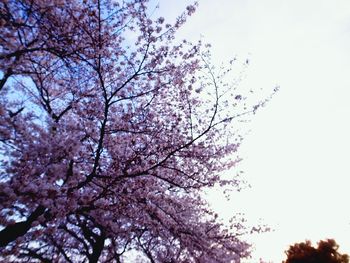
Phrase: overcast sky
[296,157]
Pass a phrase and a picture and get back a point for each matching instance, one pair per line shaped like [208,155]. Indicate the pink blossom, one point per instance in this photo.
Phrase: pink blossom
[109,134]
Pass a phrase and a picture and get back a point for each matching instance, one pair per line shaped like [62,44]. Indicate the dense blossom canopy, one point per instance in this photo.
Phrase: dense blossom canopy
[109,130]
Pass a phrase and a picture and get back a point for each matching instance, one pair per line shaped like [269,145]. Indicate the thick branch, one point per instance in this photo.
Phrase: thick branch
[7,74]
[12,232]
[97,248]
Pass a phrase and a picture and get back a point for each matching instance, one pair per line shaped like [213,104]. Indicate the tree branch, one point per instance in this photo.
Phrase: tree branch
[12,232]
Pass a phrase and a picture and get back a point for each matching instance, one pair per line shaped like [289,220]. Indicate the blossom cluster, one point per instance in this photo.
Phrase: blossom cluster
[107,139]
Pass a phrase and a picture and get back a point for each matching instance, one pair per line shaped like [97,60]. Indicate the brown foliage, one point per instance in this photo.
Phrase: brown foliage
[326,252]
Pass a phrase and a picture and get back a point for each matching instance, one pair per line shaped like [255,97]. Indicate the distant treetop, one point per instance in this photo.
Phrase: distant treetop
[326,252]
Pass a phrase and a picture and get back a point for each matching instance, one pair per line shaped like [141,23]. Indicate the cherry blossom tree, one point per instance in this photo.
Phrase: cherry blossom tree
[110,129]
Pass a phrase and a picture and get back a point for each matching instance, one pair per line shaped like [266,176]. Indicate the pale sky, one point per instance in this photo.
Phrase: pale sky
[296,155]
